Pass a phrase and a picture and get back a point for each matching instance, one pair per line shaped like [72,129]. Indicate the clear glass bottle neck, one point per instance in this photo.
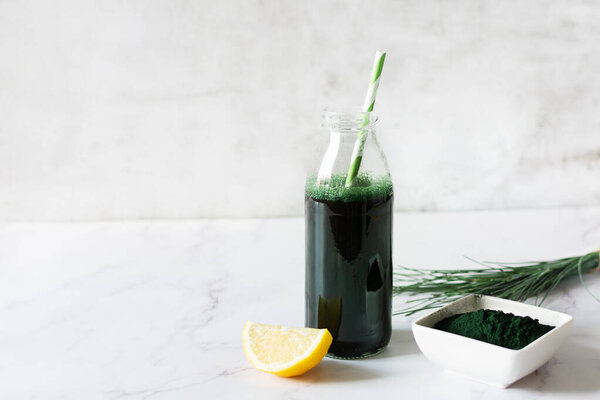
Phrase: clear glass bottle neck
[350,123]
[352,147]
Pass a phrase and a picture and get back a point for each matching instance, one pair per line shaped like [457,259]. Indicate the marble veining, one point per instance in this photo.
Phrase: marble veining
[155,310]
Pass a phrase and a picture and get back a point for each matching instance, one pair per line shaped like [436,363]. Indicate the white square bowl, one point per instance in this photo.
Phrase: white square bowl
[486,362]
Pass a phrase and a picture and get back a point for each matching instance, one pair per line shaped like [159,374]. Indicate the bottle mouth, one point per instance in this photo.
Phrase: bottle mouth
[350,120]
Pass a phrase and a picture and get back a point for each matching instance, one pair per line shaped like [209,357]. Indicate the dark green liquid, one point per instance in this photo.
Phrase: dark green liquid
[349,270]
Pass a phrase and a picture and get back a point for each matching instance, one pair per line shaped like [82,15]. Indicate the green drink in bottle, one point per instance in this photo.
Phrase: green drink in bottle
[348,208]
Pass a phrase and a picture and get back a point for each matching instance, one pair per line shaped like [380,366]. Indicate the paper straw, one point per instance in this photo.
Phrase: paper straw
[359,145]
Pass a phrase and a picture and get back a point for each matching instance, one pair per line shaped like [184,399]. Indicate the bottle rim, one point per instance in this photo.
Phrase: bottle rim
[350,120]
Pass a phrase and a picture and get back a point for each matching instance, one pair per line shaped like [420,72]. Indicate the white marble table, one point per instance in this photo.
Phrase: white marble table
[139,310]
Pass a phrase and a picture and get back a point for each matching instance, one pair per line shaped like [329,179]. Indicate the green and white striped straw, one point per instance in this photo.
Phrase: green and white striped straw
[359,145]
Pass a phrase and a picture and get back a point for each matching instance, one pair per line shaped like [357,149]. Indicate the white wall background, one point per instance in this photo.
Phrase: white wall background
[170,109]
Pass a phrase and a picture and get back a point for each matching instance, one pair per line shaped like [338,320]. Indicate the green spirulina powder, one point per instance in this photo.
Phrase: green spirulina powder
[495,327]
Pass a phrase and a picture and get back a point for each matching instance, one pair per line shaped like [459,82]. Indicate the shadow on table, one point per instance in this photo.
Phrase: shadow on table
[573,369]
[333,371]
[401,344]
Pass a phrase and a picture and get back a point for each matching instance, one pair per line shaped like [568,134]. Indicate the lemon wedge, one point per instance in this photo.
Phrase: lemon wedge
[284,351]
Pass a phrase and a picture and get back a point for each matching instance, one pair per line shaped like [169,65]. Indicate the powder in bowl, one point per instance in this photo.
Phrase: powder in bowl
[495,327]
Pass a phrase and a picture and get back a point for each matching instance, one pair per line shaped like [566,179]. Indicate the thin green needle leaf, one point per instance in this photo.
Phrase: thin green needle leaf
[434,287]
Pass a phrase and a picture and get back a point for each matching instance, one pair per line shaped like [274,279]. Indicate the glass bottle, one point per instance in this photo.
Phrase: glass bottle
[349,240]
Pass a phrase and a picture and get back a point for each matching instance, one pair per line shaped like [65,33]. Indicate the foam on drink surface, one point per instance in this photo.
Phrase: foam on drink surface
[365,187]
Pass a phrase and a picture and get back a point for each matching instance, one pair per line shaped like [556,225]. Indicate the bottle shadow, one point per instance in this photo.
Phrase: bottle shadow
[335,371]
[574,369]
[402,343]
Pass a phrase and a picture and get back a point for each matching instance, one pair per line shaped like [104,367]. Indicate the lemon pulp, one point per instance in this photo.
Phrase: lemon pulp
[284,351]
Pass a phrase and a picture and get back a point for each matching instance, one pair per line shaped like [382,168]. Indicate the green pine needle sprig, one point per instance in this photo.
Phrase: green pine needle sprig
[433,288]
